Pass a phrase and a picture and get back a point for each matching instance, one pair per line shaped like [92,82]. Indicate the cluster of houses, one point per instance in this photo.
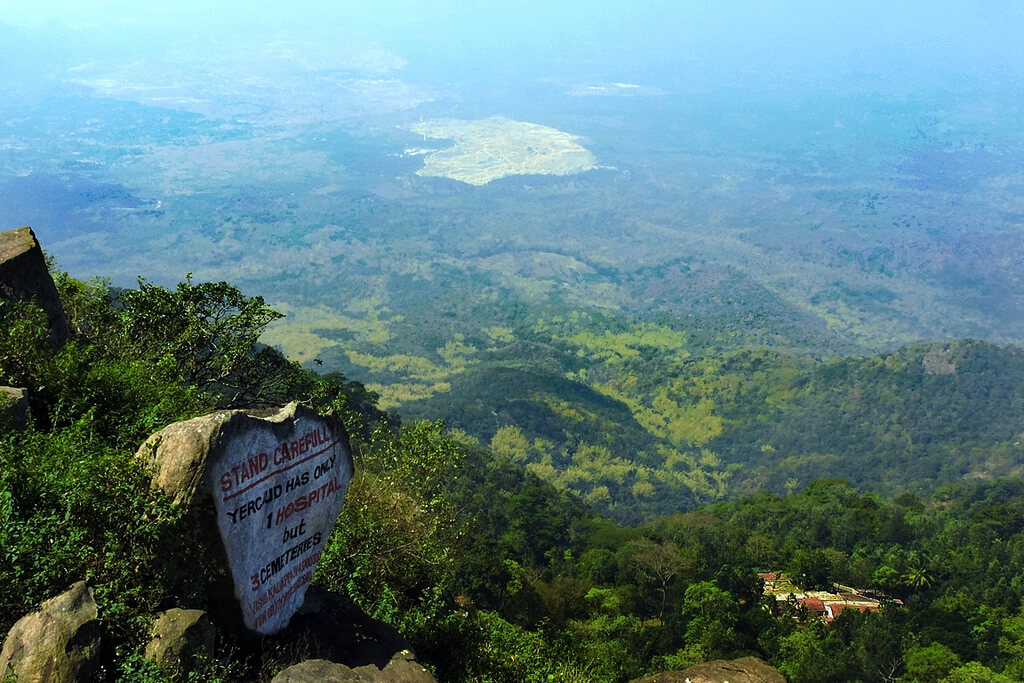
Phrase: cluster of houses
[827,605]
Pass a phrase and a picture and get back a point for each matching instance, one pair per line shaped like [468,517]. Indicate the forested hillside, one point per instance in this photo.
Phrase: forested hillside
[495,574]
[634,424]
[660,331]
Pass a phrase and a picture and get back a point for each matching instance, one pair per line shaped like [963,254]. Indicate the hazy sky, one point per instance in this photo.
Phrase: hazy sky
[919,41]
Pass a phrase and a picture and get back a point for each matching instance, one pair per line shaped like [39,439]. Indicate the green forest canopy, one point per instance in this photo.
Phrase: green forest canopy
[493,573]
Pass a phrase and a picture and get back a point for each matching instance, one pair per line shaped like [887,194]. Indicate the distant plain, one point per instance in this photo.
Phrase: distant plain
[698,221]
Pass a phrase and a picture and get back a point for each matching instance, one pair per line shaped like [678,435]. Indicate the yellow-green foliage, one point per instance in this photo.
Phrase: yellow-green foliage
[587,455]
[417,367]
[558,327]
[544,471]
[708,458]
[499,334]
[463,437]
[609,345]
[577,375]
[457,353]
[511,442]
[394,395]
[575,474]
[599,461]
[678,410]
[543,449]
[643,489]
[595,468]
[295,335]
[617,470]
[599,494]
[676,460]
[688,424]
[376,301]
[694,471]
[618,389]
[297,343]
[566,410]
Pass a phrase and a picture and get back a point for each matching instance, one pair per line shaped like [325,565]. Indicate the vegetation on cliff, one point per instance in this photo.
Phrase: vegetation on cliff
[492,572]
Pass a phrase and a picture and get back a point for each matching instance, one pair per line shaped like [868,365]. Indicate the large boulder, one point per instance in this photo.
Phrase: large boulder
[60,642]
[402,669]
[262,491]
[181,640]
[25,277]
[317,671]
[743,670]
[13,407]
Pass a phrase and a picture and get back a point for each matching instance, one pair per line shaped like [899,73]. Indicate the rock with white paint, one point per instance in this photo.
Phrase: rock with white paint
[264,490]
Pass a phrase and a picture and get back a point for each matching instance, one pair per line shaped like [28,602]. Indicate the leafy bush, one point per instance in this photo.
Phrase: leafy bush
[71,507]
[394,545]
[74,502]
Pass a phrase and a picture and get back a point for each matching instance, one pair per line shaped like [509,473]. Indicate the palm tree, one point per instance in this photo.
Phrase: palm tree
[917,576]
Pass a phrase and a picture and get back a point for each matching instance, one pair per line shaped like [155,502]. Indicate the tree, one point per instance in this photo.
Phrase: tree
[712,615]
[887,578]
[810,569]
[930,664]
[511,442]
[660,562]
[597,565]
[918,575]
[393,549]
[976,672]
[24,343]
[812,655]
[1011,644]
[210,331]
[874,641]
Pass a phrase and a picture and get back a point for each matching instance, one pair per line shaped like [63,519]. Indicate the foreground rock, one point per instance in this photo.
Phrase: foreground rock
[263,491]
[401,669]
[13,407]
[60,642]
[743,670]
[331,627]
[25,277]
[180,640]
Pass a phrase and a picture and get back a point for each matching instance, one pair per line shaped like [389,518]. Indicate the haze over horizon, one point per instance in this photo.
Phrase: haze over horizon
[747,44]
[859,164]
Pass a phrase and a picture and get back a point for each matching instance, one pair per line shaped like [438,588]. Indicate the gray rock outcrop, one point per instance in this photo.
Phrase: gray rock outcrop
[25,277]
[401,669]
[58,643]
[317,671]
[180,640]
[13,407]
[742,670]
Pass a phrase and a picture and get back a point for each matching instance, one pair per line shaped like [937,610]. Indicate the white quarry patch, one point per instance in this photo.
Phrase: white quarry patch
[496,147]
[613,90]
